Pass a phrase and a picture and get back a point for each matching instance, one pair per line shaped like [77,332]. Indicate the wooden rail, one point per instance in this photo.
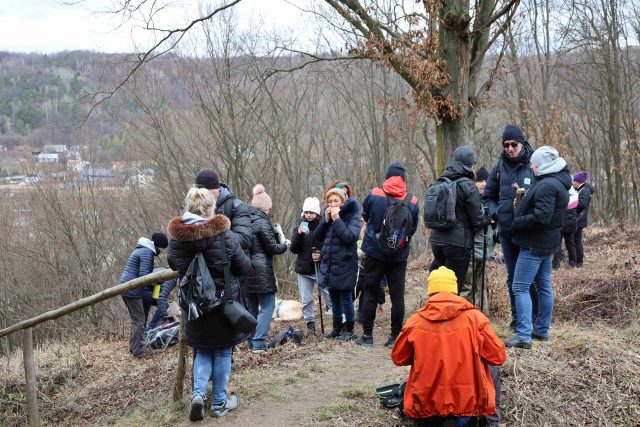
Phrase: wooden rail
[27,325]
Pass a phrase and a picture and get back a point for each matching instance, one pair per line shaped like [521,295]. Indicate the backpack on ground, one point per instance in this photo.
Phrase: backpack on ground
[288,333]
[396,226]
[198,289]
[440,204]
[163,335]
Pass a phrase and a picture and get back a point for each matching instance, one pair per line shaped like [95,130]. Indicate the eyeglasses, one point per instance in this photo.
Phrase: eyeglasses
[511,144]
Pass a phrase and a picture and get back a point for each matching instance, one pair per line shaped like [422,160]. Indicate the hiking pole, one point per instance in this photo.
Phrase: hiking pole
[315,264]
[473,275]
[484,264]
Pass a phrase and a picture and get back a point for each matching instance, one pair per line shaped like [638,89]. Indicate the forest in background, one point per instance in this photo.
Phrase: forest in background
[289,123]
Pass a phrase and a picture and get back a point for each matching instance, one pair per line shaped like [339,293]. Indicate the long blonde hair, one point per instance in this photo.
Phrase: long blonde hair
[200,201]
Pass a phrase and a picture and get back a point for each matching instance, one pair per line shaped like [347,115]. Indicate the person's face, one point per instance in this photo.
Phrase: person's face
[334,201]
[310,216]
[513,148]
[481,185]
[215,192]
[575,184]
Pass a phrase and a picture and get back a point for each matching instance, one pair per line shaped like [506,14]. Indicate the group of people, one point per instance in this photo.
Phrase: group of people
[525,197]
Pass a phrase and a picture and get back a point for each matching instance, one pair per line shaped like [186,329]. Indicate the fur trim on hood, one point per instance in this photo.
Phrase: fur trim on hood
[350,209]
[187,232]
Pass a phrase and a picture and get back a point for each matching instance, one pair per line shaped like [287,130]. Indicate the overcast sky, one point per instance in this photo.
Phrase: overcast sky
[47,26]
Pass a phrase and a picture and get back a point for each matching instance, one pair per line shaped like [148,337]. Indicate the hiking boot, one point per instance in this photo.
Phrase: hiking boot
[223,409]
[365,341]
[337,328]
[517,342]
[311,328]
[540,337]
[390,341]
[346,336]
[196,413]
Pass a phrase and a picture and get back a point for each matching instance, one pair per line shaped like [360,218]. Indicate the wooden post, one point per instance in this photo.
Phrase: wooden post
[30,378]
[178,385]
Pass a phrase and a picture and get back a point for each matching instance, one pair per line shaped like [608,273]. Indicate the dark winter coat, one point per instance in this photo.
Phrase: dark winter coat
[140,263]
[499,193]
[469,215]
[210,238]
[585,192]
[570,218]
[339,264]
[262,280]
[238,212]
[540,214]
[374,208]
[301,245]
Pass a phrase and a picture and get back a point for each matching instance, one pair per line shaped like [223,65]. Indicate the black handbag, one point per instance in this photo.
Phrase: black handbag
[237,316]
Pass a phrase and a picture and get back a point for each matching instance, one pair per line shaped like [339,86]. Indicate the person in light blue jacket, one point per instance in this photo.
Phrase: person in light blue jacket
[140,263]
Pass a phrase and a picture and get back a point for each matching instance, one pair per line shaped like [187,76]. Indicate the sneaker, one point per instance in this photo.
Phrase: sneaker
[222,409]
[517,342]
[311,328]
[365,341]
[390,341]
[196,413]
[540,337]
[346,336]
[333,334]
[256,350]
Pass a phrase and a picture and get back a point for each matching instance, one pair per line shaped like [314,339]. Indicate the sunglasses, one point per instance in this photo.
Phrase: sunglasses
[512,144]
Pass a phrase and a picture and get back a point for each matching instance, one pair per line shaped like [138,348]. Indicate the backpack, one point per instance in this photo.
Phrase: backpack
[164,335]
[198,290]
[396,226]
[440,204]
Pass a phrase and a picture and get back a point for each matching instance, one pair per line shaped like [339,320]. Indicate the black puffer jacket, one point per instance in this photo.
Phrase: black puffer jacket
[186,240]
[339,264]
[301,245]
[238,212]
[499,193]
[585,191]
[541,212]
[262,280]
[469,215]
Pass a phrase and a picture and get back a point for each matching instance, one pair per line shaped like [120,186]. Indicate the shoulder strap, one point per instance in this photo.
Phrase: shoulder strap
[227,270]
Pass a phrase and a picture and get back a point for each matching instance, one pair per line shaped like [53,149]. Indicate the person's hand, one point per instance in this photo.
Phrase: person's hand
[302,229]
[335,213]
[287,242]
[315,256]
[327,214]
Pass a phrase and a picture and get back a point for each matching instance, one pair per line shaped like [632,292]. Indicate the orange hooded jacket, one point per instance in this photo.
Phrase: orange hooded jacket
[448,344]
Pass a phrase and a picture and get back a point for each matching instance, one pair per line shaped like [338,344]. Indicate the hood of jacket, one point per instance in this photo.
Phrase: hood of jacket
[444,306]
[457,170]
[351,208]
[257,213]
[146,243]
[225,193]
[395,186]
[523,157]
[563,176]
[178,230]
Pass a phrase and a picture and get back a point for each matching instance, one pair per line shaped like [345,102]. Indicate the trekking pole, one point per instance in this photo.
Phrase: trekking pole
[315,264]
[484,263]
[473,275]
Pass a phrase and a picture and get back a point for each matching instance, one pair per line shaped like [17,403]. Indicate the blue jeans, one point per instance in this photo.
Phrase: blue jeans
[529,267]
[510,253]
[214,363]
[161,311]
[261,306]
[342,303]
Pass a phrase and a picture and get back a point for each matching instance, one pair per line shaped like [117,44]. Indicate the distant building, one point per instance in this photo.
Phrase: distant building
[55,148]
[47,157]
[99,175]
[77,166]
[141,177]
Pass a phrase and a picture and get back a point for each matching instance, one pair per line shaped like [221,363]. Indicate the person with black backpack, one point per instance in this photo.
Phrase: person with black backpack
[453,211]
[200,234]
[391,213]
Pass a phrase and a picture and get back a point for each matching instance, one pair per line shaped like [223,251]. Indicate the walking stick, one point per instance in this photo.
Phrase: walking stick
[315,264]
[484,263]
[473,275]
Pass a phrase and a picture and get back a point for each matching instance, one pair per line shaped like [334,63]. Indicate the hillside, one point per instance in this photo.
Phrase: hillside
[585,375]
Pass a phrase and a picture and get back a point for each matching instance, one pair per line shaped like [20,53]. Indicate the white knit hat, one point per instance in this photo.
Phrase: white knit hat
[311,204]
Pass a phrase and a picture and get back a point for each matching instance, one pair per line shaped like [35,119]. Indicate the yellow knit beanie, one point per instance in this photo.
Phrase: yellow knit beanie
[442,280]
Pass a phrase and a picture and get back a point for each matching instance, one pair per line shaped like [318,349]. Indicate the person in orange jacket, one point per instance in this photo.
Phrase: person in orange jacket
[453,352]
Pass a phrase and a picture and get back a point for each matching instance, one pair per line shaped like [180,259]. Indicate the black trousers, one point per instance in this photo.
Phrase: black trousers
[453,257]
[579,247]
[374,270]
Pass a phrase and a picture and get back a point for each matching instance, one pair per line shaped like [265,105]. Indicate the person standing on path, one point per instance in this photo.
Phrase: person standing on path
[376,263]
[585,192]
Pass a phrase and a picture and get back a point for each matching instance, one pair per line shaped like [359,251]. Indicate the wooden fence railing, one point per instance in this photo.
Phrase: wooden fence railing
[27,325]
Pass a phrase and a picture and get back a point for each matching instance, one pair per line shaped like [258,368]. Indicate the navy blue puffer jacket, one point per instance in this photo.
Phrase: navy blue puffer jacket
[140,263]
[339,264]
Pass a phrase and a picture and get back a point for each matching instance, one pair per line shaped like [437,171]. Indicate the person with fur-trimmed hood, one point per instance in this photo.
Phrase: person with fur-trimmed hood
[453,352]
[199,230]
[140,263]
[338,231]
[261,282]
[378,265]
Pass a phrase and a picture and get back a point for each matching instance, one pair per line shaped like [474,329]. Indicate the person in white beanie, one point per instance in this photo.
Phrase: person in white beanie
[308,251]
[536,227]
